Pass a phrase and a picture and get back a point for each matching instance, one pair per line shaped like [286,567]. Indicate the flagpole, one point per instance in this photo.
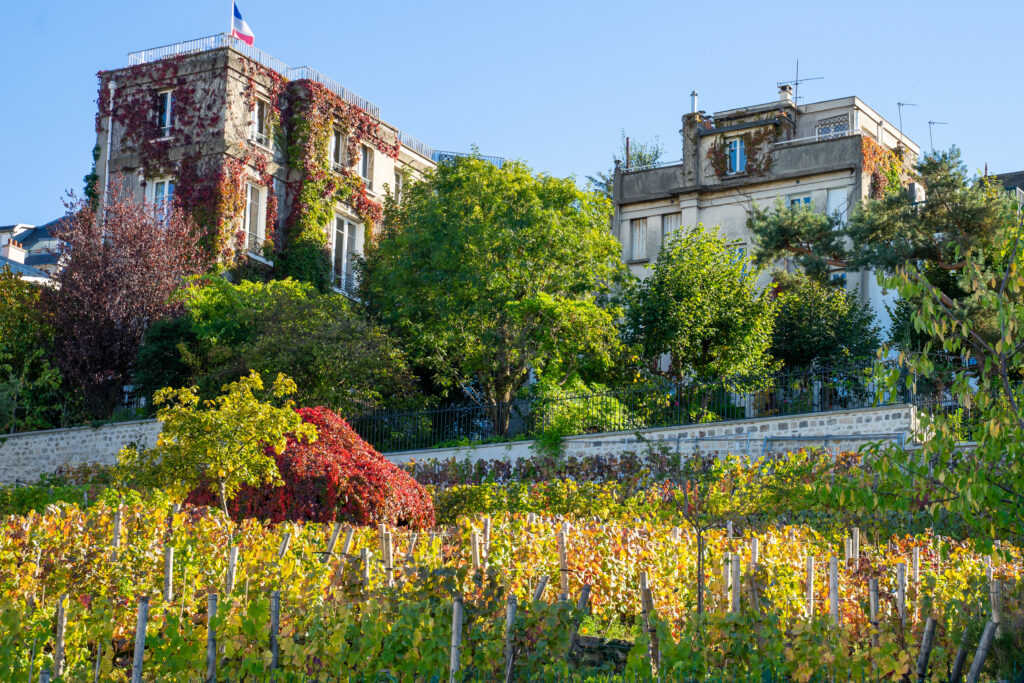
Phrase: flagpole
[231,21]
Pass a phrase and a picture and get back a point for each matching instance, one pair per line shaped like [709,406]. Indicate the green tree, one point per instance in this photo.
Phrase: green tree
[701,306]
[822,323]
[335,355]
[488,273]
[222,443]
[640,153]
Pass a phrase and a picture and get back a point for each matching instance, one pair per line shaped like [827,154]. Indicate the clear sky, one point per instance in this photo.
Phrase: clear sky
[551,83]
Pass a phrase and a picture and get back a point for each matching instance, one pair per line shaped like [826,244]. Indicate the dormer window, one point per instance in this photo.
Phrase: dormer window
[737,156]
[339,154]
[164,112]
[260,124]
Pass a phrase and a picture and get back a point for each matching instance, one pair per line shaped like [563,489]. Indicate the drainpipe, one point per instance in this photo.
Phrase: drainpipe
[106,164]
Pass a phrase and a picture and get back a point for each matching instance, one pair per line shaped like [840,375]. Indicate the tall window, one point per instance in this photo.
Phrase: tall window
[344,248]
[366,165]
[737,156]
[637,239]
[164,112]
[399,186]
[670,222]
[338,151]
[255,218]
[163,198]
[260,123]
[834,127]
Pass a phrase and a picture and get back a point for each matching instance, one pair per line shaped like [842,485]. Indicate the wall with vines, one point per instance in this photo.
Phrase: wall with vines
[883,166]
[757,143]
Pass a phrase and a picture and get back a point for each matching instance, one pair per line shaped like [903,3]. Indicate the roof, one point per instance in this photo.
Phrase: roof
[1011,180]
[22,269]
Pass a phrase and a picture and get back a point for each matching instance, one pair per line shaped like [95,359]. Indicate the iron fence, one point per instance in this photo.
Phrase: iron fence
[794,392]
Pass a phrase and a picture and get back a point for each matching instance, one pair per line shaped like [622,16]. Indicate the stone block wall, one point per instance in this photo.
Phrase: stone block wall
[23,457]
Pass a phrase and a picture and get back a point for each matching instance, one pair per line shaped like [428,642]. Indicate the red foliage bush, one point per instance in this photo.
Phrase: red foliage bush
[339,477]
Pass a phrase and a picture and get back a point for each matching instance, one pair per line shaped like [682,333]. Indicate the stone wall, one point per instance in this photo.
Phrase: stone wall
[836,431]
[23,457]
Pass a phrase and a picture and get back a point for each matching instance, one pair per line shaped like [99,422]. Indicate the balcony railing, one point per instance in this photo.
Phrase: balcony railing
[441,157]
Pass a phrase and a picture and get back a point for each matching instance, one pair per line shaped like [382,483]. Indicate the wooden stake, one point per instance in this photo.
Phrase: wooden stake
[487,536]
[364,557]
[563,567]
[229,584]
[326,558]
[389,560]
[346,547]
[211,639]
[538,592]
[961,659]
[927,641]
[581,608]
[855,546]
[453,660]
[168,574]
[58,646]
[510,647]
[901,592]
[847,551]
[275,628]
[285,542]
[982,654]
[833,589]
[995,600]
[754,550]
[735,583]
[474,548]
[810,587]
[96,667]
[411,552]
[726,573]
[140,639]
[915,564]
[873,607]
[646,607]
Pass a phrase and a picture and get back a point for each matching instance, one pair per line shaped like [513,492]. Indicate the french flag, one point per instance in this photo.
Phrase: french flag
[240,29]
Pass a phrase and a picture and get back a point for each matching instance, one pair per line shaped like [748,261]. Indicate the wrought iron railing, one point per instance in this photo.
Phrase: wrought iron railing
[787,393]
[441,157]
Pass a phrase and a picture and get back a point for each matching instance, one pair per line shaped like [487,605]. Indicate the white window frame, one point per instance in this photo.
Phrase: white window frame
[338,161]
[399,186]
[344,281]
[166,124]
[737,146]
[799,200]
[261,218]
[161,200]
[665,230]
[366,165]
[257,133]
[638,239]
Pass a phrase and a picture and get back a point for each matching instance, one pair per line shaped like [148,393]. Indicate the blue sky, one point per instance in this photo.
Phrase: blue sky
[551,83]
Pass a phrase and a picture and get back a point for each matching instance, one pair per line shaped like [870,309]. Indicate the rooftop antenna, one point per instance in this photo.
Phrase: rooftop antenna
[934,123]
[797,81]
[900,106]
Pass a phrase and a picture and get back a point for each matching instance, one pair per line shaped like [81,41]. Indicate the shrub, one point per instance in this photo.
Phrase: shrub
[338,477]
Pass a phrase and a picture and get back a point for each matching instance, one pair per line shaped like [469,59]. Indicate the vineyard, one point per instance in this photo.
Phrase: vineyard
[152,593]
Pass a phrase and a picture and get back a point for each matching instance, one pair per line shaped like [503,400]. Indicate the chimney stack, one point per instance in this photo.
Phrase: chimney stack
[693,102]
[786,93]
[14,251]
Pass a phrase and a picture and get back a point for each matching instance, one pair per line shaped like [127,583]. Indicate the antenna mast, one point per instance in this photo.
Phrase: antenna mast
[797,81]
[930,124]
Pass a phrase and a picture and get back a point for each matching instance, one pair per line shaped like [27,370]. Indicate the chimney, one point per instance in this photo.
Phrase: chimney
[693,102]
[14,251]
[786,93]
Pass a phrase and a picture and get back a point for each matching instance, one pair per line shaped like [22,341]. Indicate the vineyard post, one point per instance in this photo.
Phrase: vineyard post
[168,574]
[961,659]
[728,526]
[285,542]
[726,568]
[211,639]
[381,530]
[810,586]
[510,649]
[581,609]
[229,584]
[563,567]
[995,599]
[833,588]
[389,569]
[487,537]
[855,545]
[275,628]
[332,543]
[96,667]
[754,543]
[44,676]
[735,583]
[538,592]
[346,547]
[474,548]
[140,639]
[927,641]
[58,646]
[410,554]
[982,653]
[364,556]
[873,606]
[453,657]
[847,551]
[915,575]
[755,604]
[646,607]
[901,591]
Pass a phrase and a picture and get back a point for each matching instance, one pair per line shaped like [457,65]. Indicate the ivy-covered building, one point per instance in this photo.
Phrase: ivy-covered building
[828,155]
[284,169]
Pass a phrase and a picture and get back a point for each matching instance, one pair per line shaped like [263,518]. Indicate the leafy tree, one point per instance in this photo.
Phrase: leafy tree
[118,278]
[224,443]
[701,306]
[336,357]
[488,273]
[822,323]
[29,384]
[641,153]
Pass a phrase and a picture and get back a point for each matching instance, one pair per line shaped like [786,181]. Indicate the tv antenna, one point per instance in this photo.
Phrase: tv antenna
[797,81]
[934,123]
[900,105]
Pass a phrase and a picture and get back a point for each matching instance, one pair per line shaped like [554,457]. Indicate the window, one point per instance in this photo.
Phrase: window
[255,218]
[260,123]
[162,197]
[838,203]
[164,112]
[833,127]
[797,201]
[366,166]
[343,248]
[339,154]
[637,239]
[399,186]
[670,222]
[739,254]
[737,156]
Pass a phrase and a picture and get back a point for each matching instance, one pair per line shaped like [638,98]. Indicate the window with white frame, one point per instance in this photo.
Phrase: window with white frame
[637,239]
[737,156]
[366,165]
[399,186]
[164,112]
[339,154]
[343,253]
[255,217]
[832,127]
[670,222]
[161,196]
[260,123]
[797,201]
